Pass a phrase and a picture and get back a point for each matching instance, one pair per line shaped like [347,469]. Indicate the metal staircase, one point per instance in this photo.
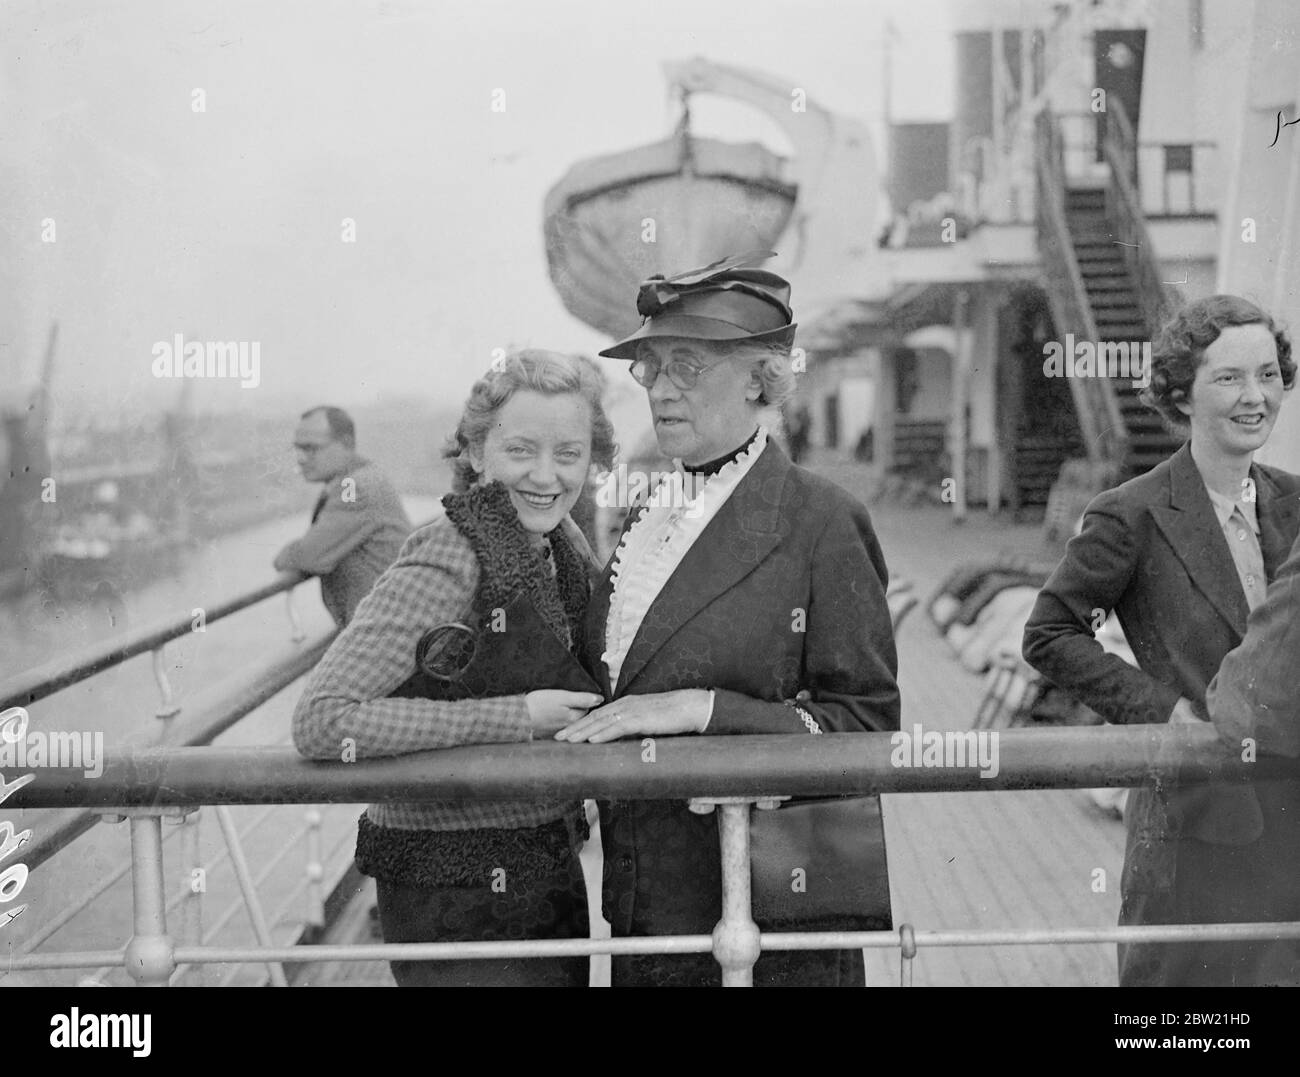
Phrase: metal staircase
[1103,285]
[1113,293]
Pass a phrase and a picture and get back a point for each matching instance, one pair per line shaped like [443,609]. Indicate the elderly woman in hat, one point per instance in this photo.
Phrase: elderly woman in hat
[746,597]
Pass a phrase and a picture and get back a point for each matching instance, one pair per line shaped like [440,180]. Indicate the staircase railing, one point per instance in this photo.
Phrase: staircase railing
[1124,211]
[1100,421]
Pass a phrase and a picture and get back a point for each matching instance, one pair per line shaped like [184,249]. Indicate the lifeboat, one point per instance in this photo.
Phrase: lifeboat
[614,220]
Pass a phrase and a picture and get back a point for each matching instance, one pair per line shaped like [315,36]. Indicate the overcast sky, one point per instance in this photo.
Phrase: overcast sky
[226,224]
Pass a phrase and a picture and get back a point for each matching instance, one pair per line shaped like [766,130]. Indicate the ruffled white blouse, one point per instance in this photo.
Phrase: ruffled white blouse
[679,508]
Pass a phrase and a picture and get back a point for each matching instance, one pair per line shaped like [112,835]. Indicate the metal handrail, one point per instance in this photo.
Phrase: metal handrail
[1118,132]
[209,714]
[844,763]
[1124,208]
[33,684]
[1063,758]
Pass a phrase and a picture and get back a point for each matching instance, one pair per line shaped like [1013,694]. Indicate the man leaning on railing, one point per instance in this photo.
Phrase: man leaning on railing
[358,525]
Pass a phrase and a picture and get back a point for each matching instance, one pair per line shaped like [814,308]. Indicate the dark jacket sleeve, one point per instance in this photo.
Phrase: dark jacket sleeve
[850,663]
[1256,693]
[1098,567]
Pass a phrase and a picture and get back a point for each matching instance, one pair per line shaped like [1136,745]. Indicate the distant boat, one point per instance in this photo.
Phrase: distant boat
[75,566]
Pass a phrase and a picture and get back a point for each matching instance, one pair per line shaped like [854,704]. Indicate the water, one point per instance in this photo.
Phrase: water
[37,628]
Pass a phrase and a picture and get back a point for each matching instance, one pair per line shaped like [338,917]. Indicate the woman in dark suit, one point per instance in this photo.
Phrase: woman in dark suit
[745,596]
[1182,554]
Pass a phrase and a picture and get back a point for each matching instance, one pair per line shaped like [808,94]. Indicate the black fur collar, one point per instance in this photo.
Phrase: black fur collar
[509,563]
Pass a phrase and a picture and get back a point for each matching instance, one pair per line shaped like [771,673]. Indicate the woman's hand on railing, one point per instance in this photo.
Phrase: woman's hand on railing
[661,714]
[552,709]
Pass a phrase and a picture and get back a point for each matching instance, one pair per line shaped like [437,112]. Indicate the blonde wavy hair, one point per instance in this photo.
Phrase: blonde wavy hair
[551,373]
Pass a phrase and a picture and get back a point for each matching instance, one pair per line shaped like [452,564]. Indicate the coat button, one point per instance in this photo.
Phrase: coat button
[625,862]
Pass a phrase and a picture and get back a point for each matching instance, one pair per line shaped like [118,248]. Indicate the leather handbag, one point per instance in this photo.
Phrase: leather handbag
[820,860]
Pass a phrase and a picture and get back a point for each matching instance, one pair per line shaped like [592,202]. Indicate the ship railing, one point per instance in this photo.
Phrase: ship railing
[193,722]
[728,774]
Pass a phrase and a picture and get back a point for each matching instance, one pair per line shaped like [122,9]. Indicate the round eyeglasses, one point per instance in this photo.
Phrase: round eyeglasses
[681,373]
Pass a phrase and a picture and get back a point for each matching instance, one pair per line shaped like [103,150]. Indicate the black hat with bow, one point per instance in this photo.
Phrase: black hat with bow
[725,301]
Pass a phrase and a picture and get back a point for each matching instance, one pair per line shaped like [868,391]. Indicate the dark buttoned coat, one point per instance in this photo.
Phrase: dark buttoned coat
[783,592]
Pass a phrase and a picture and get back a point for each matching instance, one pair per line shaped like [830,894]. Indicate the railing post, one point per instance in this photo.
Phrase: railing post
[167,707]
[736,941]
[906,953]
[315,868]
[150,954]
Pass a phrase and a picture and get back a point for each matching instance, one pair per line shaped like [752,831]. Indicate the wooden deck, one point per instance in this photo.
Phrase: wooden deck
[1000,860]
[983,860]
[957,860]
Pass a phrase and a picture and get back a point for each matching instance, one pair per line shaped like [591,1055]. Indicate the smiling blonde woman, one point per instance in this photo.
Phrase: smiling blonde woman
[470,638]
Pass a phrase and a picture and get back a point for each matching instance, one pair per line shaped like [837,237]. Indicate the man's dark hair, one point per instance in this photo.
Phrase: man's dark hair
[342,428]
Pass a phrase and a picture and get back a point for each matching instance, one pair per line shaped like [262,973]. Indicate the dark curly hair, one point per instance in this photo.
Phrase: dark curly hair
[1180,347]
[551,373]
